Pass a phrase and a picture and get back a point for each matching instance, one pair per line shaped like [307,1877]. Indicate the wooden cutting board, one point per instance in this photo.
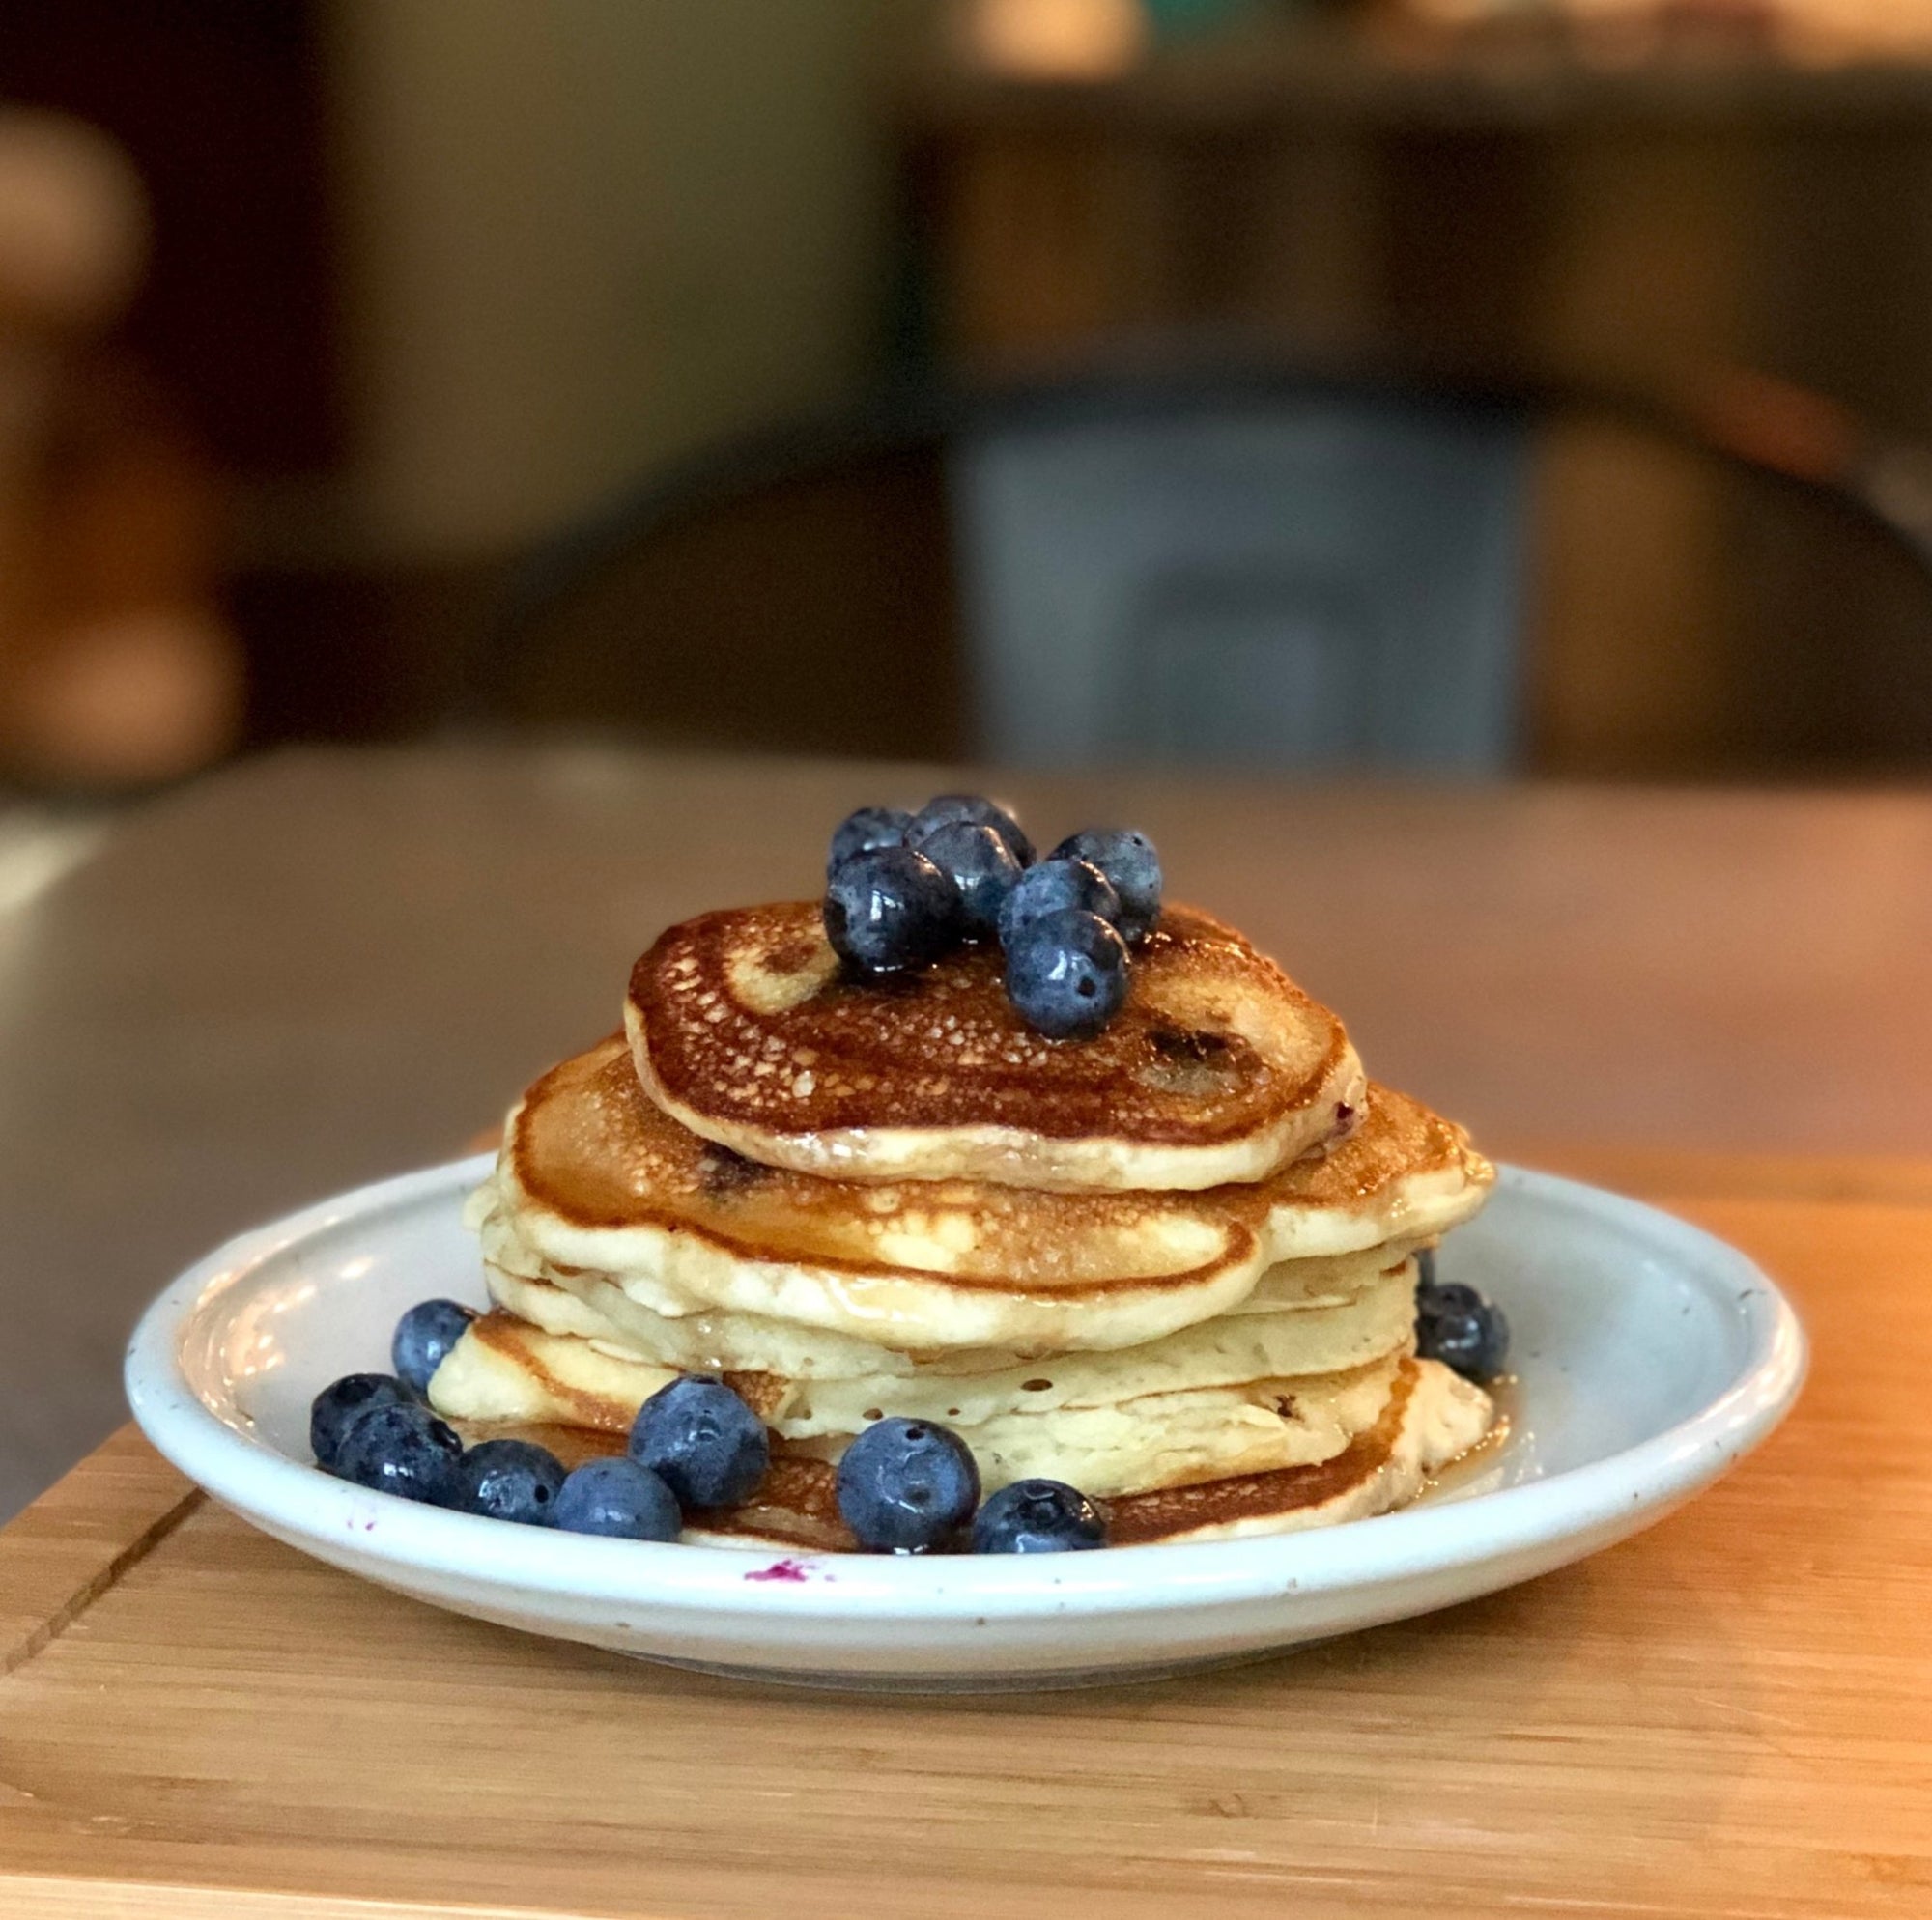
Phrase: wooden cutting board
[1731,1714]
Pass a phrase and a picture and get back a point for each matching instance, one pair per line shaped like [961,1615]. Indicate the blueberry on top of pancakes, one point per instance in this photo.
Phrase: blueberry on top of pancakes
[891,910]
[863,831]
[981,865]
[1130,863]
[1053,885]
[945,808]
[1066,974]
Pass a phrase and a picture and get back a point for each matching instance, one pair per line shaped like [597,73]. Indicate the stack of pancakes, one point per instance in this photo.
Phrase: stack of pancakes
[1172,1266]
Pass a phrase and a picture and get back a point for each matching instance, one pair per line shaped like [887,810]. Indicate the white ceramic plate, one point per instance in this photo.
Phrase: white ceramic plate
[1650,1357]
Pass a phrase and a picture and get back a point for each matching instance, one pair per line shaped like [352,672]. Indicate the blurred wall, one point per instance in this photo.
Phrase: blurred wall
[582,235]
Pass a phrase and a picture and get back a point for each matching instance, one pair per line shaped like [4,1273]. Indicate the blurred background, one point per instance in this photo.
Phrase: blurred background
[1472,385]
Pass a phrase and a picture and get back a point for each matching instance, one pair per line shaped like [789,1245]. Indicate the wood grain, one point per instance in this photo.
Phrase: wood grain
[81,1538]
[1731,1714]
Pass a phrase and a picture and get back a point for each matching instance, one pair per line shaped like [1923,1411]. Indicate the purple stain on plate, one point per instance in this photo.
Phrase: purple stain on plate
[790,1571]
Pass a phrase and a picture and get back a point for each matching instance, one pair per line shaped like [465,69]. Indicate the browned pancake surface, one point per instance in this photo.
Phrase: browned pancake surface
[587,1146]
[1215,1041]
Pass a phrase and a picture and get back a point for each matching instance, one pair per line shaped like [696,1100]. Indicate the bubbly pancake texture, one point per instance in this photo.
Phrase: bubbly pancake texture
[594,1179]
[1217,1070]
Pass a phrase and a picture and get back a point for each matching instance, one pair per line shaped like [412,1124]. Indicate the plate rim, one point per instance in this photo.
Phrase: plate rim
[298,1499]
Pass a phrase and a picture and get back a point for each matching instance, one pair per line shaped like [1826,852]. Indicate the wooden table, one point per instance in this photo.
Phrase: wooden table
[1730,1715]
[325,966]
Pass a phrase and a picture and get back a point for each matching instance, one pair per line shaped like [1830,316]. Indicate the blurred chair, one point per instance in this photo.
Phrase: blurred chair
[1253,567]
[1319,580]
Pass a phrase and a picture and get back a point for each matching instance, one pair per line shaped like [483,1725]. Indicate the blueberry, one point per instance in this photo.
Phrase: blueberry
[703,1441]
[402,1449]
[1432,1302]
[424,1336]
[618,1497]
[1128,859]
[1066,974]
[945,808]
[1039,1516]
[510,1480]
[981,865]
[340,1401]
[1456,1326]
[1434,1298]
[868,827]
[904,1486]
[1052,886]
[889,910]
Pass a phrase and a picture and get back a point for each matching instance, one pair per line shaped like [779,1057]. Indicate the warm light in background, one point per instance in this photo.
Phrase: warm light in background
[1055,39]
[1806,29]
[1852,29]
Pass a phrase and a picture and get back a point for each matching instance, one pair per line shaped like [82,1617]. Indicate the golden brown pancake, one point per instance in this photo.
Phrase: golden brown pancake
[1217,1070]
[593,1178]
[966,1385]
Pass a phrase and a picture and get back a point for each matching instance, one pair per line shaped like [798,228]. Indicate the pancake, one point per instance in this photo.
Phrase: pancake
[976,1386]
[1173,1439]
[504,1369]
[1431,1418]
[631,1313]
[1219,1068]
[593,1178]
[1119,1439]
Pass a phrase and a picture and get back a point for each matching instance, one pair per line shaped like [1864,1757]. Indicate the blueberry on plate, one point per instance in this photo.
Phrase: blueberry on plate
[1433,1299]
[945,808]
[620,1498]
[339,1402]
[1053,885]
[891,910]
[1039,1516]
[1128,859]
[703,1441]
[424,1336]
[866,829]
[510,1480]
[907,1485]
[403,1448]
[1066,974]
[1456,1326]
[981,865]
